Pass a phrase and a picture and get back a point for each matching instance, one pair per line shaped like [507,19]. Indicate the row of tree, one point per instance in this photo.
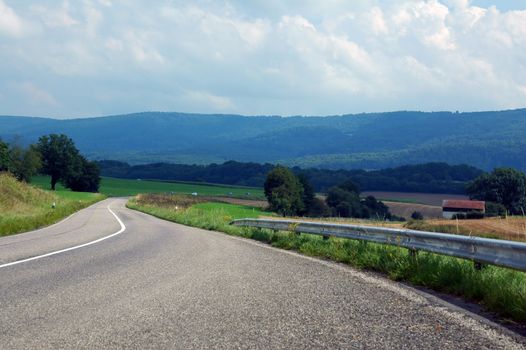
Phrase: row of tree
[53,155]
[504,190]
[428,178]
[293,195]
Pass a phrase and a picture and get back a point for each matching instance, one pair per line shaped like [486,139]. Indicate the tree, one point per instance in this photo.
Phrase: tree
[284,192]
[344,203]
[4,156]
[344,200]
[83,176]
[59,154]
[504,186]
[373,208]
[308,195]
[24,162]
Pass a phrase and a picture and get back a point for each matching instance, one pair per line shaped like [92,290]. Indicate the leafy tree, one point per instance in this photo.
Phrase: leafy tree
[4,156]
[308,196]
[372,208]
[344,203]
[344,200]
[319,209]
[59,155]
[83,176]
[24,162]
[504,186]
[284,192]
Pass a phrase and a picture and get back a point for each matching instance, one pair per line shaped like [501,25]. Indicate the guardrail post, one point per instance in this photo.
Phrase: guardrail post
[413,253]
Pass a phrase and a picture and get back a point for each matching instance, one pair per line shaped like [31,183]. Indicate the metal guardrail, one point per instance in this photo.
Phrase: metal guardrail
[480,250]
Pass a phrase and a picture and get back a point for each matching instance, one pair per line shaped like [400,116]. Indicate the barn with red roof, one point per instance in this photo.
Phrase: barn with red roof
[450,207]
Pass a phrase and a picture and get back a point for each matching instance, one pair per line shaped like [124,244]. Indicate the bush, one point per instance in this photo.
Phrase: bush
[468,215]
[416,215]
[495,209]
[318,209]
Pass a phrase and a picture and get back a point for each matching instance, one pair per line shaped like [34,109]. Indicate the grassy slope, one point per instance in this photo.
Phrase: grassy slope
[500,290]
[121,187]
[24,207]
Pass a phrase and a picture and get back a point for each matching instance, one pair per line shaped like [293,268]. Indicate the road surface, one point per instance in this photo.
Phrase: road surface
[157,284]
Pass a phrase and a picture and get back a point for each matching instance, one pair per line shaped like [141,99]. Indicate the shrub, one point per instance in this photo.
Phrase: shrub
[416,215]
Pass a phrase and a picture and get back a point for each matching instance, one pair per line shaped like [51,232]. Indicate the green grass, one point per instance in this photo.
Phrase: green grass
[233,211]
[24,207]
[500,290]
[113,187]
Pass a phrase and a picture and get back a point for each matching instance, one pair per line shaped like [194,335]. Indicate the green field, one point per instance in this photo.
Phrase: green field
[113,187]
[232,211]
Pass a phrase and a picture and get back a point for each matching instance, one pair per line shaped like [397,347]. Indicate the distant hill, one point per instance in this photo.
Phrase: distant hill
[369,141]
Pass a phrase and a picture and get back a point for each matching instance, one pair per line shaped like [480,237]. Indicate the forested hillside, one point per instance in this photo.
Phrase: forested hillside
[430,178]
[368,141]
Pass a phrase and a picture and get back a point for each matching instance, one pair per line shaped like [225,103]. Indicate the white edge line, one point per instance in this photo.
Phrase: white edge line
[122,229]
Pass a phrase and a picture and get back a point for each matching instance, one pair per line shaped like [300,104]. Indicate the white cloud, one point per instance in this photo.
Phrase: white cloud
[207,100]
[36,95]
[10,22]
[264,57]
[55,17]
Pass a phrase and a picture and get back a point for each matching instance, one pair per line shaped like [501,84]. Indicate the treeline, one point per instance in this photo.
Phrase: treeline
[429,178]
[53,155]
[293,195]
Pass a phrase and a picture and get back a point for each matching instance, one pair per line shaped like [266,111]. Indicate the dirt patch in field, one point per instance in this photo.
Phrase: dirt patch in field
[406,209]
[247,202]
[434,199]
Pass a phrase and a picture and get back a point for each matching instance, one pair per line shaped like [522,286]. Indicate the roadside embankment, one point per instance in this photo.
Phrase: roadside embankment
[24,207]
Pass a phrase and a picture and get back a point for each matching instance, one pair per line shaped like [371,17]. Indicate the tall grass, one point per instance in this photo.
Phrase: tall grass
[500,290]
[24,207]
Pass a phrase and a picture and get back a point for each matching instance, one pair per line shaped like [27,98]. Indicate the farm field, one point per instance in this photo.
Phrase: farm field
[408,197]
[113,187]
[406,209]
[509,228]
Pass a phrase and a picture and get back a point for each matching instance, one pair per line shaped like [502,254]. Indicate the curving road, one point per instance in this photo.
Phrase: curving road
[162,285]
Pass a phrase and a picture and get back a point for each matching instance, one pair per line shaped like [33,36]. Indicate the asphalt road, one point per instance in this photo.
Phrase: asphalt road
[162,285]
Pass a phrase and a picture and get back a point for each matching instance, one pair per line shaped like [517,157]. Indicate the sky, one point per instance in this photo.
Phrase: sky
[84,58]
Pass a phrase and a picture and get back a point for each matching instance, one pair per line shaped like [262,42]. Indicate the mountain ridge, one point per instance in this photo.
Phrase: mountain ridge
[367,140]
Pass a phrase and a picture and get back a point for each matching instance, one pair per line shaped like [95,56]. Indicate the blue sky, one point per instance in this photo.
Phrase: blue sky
[87,58]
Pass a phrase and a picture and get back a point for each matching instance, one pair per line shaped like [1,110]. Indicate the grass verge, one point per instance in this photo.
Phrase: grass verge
[499,290]
[25,208]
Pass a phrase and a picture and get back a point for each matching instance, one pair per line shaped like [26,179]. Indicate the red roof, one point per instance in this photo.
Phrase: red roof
[463,204]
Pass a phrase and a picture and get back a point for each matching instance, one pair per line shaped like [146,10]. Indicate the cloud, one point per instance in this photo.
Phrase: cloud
[264,57]
[10,22]
[55,17]
[36,95]
[210,101]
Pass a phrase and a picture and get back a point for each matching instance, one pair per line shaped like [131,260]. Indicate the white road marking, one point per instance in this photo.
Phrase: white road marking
[122,229]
